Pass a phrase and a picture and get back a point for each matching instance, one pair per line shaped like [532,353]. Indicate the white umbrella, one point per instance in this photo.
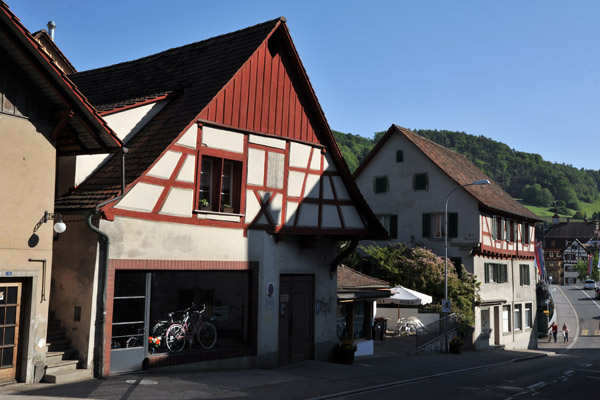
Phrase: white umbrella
[408,297]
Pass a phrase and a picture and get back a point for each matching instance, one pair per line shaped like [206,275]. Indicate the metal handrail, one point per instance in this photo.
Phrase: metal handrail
[431,332]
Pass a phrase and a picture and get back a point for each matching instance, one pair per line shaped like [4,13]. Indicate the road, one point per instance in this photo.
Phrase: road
[575,372]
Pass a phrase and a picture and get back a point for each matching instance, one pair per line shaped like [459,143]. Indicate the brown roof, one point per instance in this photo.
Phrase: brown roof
[85,132]
[459,169]
[348,278]
[193,73]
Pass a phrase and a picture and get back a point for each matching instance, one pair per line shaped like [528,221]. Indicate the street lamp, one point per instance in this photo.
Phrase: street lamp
[446,305]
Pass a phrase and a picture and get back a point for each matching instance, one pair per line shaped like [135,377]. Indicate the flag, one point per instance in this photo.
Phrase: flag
[590,260]
[539,259]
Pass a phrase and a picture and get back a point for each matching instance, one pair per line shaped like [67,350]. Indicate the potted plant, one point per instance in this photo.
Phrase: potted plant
[454,345]
[344,352]
[204,205]
[227,208]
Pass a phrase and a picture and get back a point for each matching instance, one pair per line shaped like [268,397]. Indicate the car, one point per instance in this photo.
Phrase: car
[597,292]
[589,284]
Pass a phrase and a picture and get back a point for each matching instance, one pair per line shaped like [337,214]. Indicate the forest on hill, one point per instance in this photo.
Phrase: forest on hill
[523,175]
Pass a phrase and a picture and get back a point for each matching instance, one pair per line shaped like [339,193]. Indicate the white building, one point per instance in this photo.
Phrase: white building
[573,253]
[406,179]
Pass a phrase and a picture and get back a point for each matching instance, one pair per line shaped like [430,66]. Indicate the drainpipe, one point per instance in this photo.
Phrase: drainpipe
[334,264]
[101,302]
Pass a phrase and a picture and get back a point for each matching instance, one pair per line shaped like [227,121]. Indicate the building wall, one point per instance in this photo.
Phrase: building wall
[410,205]
[27,162]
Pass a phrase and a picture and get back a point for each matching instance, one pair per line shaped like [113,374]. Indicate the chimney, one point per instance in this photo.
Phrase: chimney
[51,27]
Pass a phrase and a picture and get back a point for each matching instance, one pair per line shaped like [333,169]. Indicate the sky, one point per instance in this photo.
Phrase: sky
[521,72]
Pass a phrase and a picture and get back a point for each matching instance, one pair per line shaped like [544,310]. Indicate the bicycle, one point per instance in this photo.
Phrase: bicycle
[191,326]
[159,330]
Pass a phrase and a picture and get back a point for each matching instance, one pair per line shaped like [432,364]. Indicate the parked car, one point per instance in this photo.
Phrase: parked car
[589,284]
[597,292]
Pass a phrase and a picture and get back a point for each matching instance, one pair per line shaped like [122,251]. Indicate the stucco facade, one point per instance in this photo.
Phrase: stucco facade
[407,180]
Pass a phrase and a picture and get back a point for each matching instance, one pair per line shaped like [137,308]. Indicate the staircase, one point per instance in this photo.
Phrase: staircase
[61,359]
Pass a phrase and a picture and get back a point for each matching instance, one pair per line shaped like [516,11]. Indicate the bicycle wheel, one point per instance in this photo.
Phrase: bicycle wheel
[175,338]
[207,335]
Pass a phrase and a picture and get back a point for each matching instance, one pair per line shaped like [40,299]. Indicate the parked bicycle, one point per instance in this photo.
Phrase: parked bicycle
[157,339]
[192,326]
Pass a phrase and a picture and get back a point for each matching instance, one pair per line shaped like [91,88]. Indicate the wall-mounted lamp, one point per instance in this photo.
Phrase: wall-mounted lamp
[59,225]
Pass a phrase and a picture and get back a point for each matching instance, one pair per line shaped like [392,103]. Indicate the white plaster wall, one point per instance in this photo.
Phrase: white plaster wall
[139,239]
[267,141]
[142,197]
[223,139]
[187,170]
[178,202]
[409,205]
[125,124]
[189,138]
[256,167]
[164,167]
[299,154]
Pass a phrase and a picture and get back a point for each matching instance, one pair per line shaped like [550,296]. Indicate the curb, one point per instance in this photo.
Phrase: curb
[425,377]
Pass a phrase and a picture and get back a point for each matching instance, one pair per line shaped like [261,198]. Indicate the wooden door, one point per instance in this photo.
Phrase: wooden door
[10,310]
[296,318]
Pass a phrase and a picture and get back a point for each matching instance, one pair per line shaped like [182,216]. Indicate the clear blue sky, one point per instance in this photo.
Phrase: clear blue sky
[520,72]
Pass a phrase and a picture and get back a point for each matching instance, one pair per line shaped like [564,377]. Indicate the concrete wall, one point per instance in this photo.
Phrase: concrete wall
[141,239]
[27,162]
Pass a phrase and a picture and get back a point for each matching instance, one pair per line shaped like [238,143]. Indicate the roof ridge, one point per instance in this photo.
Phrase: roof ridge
[173,49]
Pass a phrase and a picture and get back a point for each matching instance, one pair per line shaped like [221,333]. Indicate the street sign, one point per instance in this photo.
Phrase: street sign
[446,306]
[546,312]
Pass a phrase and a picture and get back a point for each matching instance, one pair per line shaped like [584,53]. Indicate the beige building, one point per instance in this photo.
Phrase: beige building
[407,180]
[42,118]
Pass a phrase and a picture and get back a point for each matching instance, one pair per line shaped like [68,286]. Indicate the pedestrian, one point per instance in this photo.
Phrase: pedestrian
[554,331]
[565,330]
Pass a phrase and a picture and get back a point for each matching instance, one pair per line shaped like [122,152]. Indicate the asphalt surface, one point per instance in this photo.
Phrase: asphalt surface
[304,380]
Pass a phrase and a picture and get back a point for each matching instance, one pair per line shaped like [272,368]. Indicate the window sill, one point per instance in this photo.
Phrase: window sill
[218,216]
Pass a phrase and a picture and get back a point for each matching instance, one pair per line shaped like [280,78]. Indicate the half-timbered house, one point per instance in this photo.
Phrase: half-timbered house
[233,195]
[407,179]
[44,120]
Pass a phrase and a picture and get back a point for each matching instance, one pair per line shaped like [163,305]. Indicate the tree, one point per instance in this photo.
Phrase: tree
[582,268]
[420,269]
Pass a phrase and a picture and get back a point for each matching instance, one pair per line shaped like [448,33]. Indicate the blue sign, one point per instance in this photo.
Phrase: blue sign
[8,273]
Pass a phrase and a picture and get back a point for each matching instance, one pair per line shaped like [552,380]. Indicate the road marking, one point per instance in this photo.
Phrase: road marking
[535,386]
[588,296]
[591,370]
[509,387]
[593,377]
[584,332]
[569,372]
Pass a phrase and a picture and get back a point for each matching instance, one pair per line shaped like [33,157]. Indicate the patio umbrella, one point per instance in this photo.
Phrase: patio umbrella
[406,297]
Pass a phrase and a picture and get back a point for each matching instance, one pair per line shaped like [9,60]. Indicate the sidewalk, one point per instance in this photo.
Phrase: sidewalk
[304,380]
[564,313]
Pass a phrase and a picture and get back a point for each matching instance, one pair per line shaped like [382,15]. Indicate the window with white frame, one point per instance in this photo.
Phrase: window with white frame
[528,316]
[517,316]
[434,225]
[525,233]
[505,319]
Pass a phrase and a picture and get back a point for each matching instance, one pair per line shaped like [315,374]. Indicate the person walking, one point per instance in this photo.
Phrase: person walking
[565,330]
[554,331]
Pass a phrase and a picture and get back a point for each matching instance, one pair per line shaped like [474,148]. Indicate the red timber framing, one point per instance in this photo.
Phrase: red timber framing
[262,97]
[163,360]
[502,248]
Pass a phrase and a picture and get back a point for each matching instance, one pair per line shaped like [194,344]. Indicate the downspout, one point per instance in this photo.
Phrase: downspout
[101,301]
[345,253]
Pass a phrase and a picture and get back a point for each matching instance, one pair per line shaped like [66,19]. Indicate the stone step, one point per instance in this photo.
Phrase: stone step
[58,345]
[60,366]
[68,376]
[55,334]
[55,356]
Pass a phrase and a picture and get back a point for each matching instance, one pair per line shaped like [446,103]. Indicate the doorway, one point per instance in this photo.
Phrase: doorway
[296,318]
[10,311]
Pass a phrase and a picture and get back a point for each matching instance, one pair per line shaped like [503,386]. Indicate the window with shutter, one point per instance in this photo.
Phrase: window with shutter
[380,184]
[453,225]
[426,225]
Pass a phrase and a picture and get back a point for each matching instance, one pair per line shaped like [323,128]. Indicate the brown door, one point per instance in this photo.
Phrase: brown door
[10,307]
[296,318]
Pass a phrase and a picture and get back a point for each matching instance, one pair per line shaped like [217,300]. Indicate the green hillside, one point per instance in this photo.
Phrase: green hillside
[541,185]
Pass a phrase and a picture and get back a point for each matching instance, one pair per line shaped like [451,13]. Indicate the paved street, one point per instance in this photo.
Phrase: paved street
[555,370]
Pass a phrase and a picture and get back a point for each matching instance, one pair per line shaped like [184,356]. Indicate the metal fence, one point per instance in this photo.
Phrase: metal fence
[431,332]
